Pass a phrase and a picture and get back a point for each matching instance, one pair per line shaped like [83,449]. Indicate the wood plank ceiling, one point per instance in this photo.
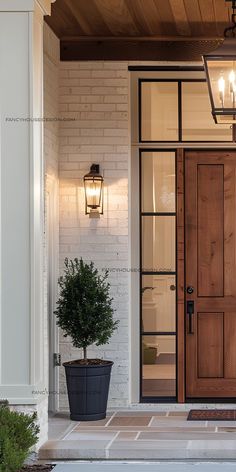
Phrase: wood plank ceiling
[138,29]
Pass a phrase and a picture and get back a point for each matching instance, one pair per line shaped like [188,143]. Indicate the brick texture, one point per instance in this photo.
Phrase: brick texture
[94,97]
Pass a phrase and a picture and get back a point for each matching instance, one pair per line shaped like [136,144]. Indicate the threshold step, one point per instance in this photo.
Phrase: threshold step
[195,450]
[147,467]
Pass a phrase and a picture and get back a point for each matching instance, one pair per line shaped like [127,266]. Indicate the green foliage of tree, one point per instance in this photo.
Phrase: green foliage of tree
[84,309]
[18,433]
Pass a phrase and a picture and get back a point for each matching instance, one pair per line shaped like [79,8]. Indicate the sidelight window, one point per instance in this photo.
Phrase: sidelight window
[158,273]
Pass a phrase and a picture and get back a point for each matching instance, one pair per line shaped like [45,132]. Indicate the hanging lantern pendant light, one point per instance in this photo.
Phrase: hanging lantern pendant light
[220,68]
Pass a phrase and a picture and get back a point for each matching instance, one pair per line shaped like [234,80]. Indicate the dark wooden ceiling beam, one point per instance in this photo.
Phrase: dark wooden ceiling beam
[159,30]
[133,50]
[141,38]
[120,18]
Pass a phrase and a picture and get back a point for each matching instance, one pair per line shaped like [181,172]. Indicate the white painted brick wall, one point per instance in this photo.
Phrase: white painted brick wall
[95,95]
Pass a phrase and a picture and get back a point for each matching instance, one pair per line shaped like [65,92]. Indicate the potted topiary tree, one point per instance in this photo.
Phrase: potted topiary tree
[84,312]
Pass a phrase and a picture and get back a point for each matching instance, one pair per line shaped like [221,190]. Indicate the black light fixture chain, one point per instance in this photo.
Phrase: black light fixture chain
[230,32]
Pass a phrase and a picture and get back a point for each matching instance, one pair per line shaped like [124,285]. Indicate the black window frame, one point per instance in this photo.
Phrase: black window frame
[180,118]
[142,398]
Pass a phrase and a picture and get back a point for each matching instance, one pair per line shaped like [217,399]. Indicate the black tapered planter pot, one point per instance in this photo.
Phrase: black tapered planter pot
[88,387]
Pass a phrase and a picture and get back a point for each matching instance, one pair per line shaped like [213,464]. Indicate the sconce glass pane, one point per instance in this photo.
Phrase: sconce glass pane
[159,111]
[93,193]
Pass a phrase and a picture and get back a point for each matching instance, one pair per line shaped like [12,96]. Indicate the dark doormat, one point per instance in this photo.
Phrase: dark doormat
[212,415]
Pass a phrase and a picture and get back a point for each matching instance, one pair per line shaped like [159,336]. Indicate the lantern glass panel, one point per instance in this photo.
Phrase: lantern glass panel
[93,190]
[222,76]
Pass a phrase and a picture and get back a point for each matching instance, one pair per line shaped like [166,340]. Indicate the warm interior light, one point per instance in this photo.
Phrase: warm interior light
[93,191]
[231,88]
[93,194]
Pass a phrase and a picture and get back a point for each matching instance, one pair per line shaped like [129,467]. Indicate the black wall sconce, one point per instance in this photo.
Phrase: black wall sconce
[93,187]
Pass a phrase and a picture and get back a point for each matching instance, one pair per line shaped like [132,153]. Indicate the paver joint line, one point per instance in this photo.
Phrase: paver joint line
[111,418]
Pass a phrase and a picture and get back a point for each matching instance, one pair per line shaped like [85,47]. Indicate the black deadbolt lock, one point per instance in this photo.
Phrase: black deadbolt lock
[190,290]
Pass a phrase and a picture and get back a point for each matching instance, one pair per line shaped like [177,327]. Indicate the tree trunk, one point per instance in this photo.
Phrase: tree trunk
[85,353]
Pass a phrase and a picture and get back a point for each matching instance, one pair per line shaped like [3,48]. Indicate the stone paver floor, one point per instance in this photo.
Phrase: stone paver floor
[141,435]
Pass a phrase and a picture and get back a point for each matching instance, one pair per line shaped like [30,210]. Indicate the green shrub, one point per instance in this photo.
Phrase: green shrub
[84,309]
[18,433]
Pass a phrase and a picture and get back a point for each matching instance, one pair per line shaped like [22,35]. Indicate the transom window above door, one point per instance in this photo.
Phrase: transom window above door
[177,110]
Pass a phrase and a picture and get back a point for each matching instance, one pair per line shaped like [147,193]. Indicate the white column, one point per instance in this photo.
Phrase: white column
[21,200]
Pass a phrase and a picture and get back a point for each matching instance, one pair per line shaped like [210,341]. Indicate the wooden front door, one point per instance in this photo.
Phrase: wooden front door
[210,238]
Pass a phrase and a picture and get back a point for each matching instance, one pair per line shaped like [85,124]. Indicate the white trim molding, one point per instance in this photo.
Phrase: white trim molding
[45,6]
[22,370]
[52,260]
[26,5]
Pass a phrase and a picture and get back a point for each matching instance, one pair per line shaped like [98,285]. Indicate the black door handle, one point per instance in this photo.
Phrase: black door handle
[190,312]
[190,290]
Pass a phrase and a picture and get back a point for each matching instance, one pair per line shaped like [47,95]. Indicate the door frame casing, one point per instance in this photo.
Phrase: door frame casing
[180,275]
[52,271]
[181,271]
[163,71]
[134,275]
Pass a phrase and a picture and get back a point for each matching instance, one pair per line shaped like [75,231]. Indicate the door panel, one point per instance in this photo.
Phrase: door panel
[230,344]
[210,209]
[210,232]
[230,229]
[210,345]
